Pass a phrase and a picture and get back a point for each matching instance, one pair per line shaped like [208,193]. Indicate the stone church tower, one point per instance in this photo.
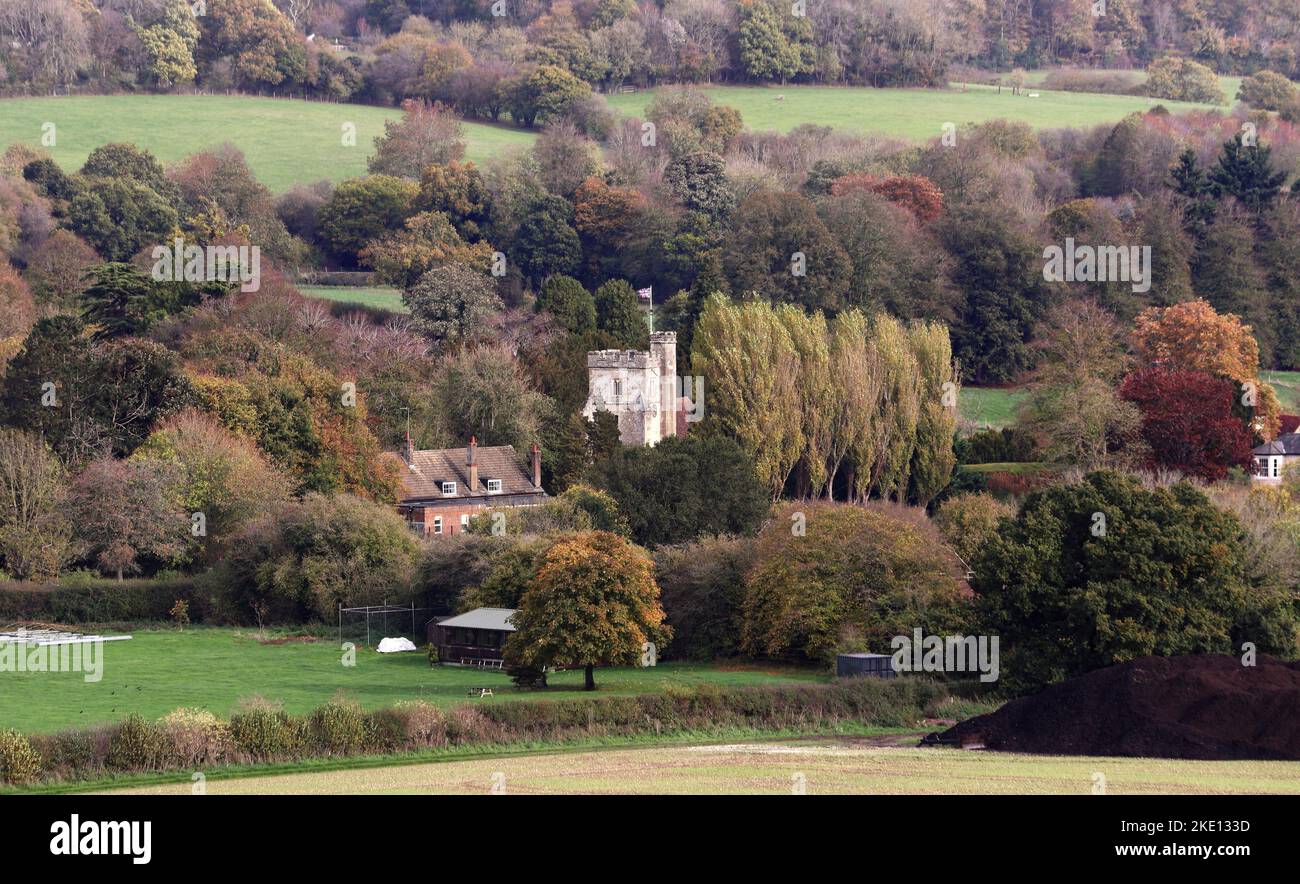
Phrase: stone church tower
[639,387]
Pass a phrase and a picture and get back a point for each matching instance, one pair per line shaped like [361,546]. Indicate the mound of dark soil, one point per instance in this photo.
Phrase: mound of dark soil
[1205,706]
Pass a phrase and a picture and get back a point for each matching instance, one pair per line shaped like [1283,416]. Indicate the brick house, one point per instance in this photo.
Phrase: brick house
[442,488]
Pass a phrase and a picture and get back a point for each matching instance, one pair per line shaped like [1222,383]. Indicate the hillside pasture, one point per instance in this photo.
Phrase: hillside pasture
[286,142]
[912,114]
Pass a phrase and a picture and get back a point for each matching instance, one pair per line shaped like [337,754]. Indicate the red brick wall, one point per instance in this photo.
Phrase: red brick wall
[450,516]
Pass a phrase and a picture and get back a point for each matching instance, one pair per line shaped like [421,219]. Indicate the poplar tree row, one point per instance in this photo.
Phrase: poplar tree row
[851,407]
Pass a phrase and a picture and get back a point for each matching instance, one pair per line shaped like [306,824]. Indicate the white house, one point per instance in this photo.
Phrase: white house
[1272,458]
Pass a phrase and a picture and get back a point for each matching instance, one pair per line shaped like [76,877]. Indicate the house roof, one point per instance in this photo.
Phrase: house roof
[424,472]
[1287,443]
[497,619]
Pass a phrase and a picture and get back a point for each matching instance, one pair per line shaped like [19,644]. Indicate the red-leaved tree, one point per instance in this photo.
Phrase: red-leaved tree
[1189,422]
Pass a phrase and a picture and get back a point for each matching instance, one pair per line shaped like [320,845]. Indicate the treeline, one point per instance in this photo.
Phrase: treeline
[490,59]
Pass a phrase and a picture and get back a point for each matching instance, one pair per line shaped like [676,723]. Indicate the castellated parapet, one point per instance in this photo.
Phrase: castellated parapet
[639,387]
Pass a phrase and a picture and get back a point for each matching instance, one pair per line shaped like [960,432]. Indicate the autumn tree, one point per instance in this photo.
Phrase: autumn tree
[542,94]
[426,134]
[916,193]
[1189,422]
[427,240]
[831,577]
[1267,90]
[306,558]
[125,513]
[593,602]
[1192,336]
[260,45]
[457,190]
[35,531]
[221,476]
[57,267]
[1181,79]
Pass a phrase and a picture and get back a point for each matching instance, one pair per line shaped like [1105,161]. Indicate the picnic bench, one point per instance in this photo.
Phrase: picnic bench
[479,692]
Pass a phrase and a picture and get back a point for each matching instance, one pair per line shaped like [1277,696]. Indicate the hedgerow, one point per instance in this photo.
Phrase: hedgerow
[261,732]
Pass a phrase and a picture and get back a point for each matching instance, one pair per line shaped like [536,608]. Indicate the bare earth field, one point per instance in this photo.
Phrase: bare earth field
[889,765]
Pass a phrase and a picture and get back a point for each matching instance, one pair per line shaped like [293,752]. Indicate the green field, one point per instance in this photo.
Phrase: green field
[286,142]
[910,113]
[161,670]
[870,766]
[1287,384]
[989,406]
[289,142]
[380,296]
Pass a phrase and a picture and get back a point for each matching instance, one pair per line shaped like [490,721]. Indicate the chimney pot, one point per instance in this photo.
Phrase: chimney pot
[535,455]
[471,460]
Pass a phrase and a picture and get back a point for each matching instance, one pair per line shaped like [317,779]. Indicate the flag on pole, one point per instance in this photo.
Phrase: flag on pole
[646,296]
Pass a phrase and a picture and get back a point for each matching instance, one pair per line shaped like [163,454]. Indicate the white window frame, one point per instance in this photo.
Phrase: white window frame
[494,486]
[437,524]
[464,520]
[448,489]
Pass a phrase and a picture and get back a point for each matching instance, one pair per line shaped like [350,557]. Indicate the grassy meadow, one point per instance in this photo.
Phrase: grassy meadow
[286,142]
[914,114]
[990,406]
[889,765]
[209,668]
[1287,385]
[291,142]
[383,297]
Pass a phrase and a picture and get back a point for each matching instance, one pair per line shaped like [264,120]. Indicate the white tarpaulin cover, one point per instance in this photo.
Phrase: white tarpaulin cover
[393,645]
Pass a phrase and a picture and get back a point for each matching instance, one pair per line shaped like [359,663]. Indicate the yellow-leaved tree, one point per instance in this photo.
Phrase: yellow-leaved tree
[592,602]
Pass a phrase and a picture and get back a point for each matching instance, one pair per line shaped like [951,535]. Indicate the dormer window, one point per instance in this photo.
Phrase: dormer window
[494,486]
[448,488]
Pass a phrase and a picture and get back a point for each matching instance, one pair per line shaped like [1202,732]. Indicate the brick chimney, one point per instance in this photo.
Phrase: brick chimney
[471,461]
[535,456]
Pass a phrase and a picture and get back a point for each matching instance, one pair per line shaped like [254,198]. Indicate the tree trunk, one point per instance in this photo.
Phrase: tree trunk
[590,678]
[119,575]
